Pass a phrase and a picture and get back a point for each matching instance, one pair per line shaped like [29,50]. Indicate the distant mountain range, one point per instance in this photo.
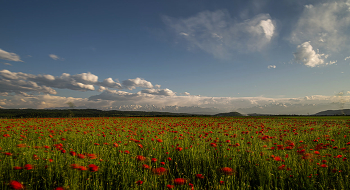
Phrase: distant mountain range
[334,112]
[153,108]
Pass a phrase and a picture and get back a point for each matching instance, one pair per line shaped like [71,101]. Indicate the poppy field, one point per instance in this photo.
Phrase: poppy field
[175,153]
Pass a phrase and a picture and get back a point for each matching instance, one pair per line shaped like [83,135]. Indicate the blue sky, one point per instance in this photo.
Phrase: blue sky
[264,56]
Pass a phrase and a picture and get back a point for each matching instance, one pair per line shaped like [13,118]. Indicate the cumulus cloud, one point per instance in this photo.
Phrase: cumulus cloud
[9,56]
[18,82]
[271,67]
[54,57]
[306,54]
[138,82]
[164,92]
[218,34]
[347,58]
[325,25]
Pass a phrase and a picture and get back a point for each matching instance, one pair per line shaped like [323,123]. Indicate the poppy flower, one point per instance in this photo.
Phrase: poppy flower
[16,185]
[72,153]
[227,171]
[178,148]
[28,166]
[154,159]
[163,163]
[324,166]
[92,156]
[159,140]
[127,152]
[199,176]
[222,182]
[82,168]
[170,186]
[93,168]
[8,153]
[17,168]
[81,156]
[139,182]
[140,158]
[75,166]
[160,171]
[169,159]
[145,166]
[59,188]
[179,181]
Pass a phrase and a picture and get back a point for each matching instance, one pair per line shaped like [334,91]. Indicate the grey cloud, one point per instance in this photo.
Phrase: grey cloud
[164,92]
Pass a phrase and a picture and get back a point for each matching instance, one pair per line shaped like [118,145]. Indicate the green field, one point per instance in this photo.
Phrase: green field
[175,152]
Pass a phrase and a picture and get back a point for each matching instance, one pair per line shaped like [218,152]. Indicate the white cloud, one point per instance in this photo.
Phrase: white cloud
[7,64]
[271,67]
[347,58]
[54,57]
[306,54]
[326,25]
[9,56]
[164,92]
[138,82]
[218,34]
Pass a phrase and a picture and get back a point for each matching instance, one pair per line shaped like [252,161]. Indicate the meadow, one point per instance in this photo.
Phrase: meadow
[175,153]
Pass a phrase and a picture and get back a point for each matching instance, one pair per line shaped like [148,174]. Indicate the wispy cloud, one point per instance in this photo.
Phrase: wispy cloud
[271,67]
[325,25]
[218,34]
[55,57]
[9,56]
[7,64]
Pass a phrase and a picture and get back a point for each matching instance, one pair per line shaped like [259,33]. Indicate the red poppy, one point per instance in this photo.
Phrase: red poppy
[93,168]
[199,176]
[83,168]
[222,182]
[81,156]
[227,170]
[28,166]
[8,153]
[179,181]
[169,159]
[59,188]
[72,153]
[170,186]
[139,182]
[140,158]
[92,156]
[127,152]
[159,140]
[16,185]
[75,166]
[145,166]
[154,159]
[178,148]
[17,168]
[160,171]
[163,163]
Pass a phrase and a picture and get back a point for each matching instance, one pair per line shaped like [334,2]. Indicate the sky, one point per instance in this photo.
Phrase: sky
[250,56]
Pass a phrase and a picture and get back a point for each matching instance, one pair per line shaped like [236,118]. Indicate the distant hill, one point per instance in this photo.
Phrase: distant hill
[334,112]
[228,114]
[59,113]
